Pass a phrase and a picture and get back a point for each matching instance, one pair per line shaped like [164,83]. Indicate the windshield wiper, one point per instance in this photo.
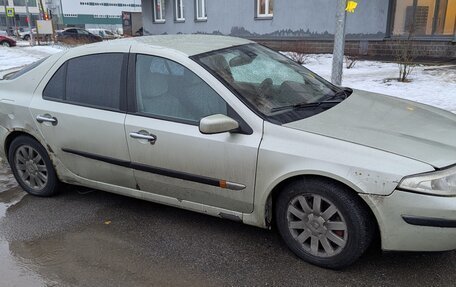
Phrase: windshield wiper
[304,105]
[343,93]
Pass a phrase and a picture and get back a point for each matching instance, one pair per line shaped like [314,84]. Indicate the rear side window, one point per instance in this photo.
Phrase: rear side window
[55,89]
[94,81]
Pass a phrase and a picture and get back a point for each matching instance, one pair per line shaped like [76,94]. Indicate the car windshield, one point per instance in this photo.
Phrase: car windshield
[272,85]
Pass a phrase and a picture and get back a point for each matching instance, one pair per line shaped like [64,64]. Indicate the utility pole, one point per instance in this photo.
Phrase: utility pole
[32,36]
[6,17]
[339,43]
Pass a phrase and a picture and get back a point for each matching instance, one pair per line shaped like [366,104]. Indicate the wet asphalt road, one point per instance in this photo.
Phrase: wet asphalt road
[93,238]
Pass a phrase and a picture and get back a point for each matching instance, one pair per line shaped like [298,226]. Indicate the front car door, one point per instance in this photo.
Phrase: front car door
[80,111]
[174,158]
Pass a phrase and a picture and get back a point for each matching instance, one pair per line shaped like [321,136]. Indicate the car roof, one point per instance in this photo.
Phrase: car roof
[185,43]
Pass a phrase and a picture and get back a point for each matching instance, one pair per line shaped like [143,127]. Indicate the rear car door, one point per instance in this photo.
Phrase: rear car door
[170,156]
[80,110]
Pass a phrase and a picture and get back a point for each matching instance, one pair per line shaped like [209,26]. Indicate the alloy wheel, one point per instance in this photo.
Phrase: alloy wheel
[31,167]
[317,225]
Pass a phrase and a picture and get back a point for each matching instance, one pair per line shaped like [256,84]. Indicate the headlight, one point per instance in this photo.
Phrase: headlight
[442,182]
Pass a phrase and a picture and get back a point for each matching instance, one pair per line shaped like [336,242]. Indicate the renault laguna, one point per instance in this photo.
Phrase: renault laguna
[229,128]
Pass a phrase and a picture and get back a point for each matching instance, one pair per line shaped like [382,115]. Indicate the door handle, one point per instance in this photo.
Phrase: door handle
[46,118]
[143,135]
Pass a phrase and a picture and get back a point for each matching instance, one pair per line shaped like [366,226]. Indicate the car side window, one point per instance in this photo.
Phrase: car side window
[166,89]
[94,81]
[55,89]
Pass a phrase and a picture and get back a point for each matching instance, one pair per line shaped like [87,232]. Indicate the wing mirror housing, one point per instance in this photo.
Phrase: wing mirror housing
[216,124]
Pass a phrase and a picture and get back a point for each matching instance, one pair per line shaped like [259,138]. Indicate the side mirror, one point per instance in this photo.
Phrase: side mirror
[216,124]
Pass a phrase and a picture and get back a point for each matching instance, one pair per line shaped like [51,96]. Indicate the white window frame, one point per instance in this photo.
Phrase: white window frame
[266,14]
[199,17]
[179,7]
[159,16]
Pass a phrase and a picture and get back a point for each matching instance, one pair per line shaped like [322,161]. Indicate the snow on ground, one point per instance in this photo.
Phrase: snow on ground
[23,55]
[433,85]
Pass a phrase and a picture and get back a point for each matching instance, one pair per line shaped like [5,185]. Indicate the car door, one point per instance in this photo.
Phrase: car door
[80,112]
[84,36]
[170,156]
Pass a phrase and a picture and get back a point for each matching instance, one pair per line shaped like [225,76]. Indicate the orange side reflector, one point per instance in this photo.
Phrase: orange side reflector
[222,183]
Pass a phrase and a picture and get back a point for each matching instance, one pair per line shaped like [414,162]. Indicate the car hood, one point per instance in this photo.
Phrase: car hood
[398,126]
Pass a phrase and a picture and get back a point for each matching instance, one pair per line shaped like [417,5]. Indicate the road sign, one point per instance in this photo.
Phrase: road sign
[351,6]
[10,12]
[44,27]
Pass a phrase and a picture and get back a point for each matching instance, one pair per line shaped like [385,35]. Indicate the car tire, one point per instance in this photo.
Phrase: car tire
[32,167]
[333,233]
[26,37]
[5,44]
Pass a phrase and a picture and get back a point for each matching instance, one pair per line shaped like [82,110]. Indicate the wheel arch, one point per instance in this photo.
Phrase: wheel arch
[16,133]
[280,186]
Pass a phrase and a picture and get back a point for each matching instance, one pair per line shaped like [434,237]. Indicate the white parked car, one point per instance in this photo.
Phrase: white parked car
[229,128]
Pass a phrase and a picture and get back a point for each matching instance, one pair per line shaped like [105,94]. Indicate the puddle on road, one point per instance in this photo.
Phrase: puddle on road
[12,273]
[90,253]
[7,180]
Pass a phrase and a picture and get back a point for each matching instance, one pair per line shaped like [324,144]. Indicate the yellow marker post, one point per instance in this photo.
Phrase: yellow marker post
[351,6]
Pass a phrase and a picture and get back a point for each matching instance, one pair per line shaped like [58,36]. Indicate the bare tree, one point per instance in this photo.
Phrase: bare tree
[406,54]
[350,61]
[298,57]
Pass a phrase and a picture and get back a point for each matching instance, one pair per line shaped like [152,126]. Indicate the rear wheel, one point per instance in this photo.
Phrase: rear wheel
[32,167]
[27,37]
[323,223]
[5,44]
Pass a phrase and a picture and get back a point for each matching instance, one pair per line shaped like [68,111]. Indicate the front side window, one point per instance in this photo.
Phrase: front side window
[201,10]
[424,17]
[94,81]
[179,10]
[159,11]
[269,83]
[265,8]
[165,89]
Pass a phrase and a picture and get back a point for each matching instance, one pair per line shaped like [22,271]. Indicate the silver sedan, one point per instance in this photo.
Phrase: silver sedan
[229,128]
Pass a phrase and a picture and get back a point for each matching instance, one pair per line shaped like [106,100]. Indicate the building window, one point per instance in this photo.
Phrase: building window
[159,11]
[200,6]
[424,17]
[265,8]
[31,3]
[179,10]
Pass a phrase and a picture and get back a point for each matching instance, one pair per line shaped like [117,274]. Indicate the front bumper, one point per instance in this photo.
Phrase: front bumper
[415,222]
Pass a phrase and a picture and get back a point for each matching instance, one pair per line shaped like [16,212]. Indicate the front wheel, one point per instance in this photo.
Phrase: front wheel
[32,167]
[323,223]
[5,44]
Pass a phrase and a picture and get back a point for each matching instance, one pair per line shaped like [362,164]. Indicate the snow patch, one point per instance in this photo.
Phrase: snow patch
[432,85]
